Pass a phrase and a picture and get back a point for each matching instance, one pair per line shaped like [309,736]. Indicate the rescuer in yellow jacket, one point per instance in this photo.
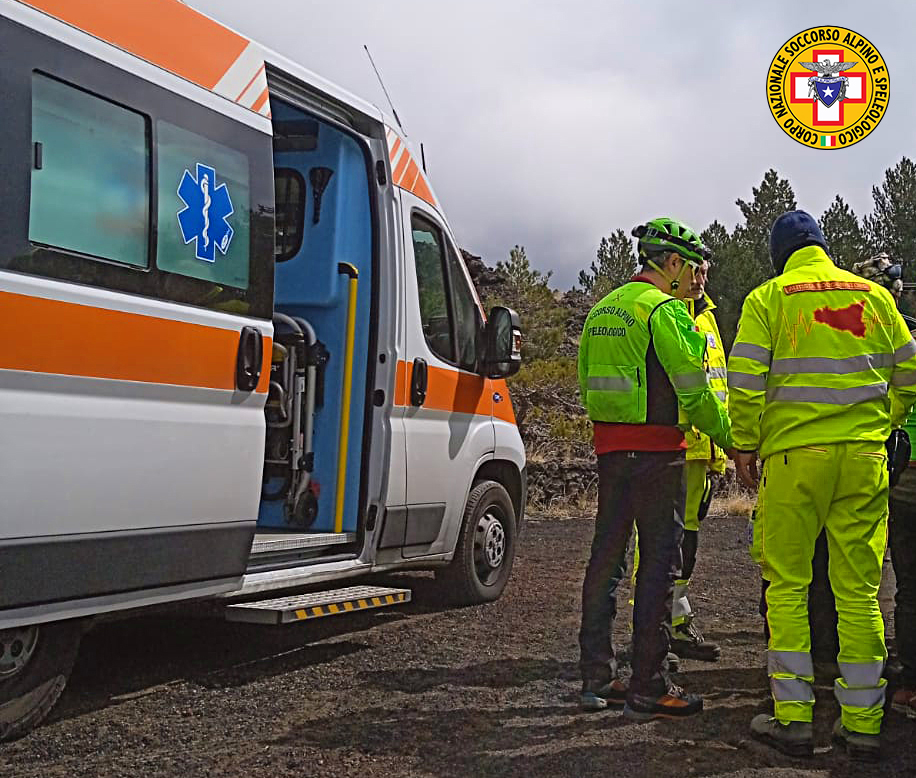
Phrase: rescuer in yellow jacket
[821,369]
[704,458]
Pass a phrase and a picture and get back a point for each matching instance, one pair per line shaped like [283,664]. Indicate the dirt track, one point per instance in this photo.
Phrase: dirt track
[423,691]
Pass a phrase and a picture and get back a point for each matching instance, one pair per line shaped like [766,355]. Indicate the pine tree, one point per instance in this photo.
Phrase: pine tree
[518,271]
[528,292]
[726,284]
[741,261]
[845,238]
[771,199]
[891,226]
[614,265]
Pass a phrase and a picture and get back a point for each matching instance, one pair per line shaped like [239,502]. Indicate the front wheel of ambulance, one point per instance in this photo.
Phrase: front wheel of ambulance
[35,663]
[485,550]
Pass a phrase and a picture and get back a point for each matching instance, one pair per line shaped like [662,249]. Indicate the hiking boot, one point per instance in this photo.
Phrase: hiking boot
[623,656]
[675,703]
[598,695]
[858,745]
[793,739]
[688,643]
[904,701]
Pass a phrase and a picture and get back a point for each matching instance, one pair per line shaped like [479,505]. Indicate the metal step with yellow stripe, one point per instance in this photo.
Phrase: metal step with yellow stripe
[285,610]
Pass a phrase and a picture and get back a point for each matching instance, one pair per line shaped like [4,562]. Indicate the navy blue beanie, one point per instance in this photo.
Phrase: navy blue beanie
[792,231]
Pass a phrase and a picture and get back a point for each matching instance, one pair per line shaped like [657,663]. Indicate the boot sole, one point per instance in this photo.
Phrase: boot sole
[595,704]
[905,710]
[639,716]
[797,750]
[856,753]
[690,651]
[701,658]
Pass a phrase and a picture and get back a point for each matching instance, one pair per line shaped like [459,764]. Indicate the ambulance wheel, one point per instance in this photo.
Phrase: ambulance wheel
[485,550]
[35,663]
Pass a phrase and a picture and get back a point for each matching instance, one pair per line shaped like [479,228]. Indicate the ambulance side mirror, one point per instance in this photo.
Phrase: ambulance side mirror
[503,337]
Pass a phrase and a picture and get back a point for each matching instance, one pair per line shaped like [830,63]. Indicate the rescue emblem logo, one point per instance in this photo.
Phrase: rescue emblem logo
[828,87]
[205,217]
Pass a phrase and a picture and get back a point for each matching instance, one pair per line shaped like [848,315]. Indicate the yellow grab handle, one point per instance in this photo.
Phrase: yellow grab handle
[345,268]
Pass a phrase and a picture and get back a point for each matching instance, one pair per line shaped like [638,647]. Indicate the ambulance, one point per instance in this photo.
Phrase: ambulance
[241,354]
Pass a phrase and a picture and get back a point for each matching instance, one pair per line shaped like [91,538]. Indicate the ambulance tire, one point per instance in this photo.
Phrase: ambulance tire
[28,691]
[485,551]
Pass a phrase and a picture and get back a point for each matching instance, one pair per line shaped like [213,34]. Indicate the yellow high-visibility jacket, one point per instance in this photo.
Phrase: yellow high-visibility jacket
[821,356]
[699,446]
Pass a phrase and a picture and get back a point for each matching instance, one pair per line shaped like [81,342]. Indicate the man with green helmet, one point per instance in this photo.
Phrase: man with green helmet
[822,368]
[642,379]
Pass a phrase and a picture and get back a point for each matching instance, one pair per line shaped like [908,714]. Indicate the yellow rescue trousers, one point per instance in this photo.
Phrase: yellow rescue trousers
[841,487]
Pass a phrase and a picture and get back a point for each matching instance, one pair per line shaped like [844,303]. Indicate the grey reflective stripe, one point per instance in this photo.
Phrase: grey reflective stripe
[790,663]
[750,351]
[723,396]
[830,365]
[906,351]
[610,383]
[689,380]
[862,673]
[872,697]
[791,690]
[820,394]
[903,378]
[717,372]
[738,380]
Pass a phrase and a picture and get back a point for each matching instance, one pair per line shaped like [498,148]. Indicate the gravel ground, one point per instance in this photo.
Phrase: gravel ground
[423,690]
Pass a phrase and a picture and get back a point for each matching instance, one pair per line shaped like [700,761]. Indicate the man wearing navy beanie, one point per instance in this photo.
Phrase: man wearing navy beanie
[792,231]
[823,366]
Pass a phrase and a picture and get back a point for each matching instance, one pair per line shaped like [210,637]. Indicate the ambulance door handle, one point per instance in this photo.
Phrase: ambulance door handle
[419,382]
[250,356]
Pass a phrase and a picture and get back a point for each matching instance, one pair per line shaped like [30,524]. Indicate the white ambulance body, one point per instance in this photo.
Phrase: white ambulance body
[241,352]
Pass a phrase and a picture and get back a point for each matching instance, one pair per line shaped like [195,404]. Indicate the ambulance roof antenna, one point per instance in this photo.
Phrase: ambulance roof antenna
[387,96]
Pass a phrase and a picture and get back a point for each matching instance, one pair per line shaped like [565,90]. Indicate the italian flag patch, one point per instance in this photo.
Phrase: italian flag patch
[828,140]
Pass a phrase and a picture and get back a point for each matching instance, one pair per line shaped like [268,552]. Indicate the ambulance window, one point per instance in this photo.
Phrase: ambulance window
[466,312]
[90,175]
[204,208]
[434,310]
[289,193]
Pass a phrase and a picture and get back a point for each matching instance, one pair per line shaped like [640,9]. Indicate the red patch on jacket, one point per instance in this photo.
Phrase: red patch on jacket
[848,319]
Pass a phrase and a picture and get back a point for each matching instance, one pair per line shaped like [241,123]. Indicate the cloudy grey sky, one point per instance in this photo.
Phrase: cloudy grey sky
[552,124]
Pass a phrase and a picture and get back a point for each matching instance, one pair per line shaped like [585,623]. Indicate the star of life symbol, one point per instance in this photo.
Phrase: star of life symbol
[204,219]
[827,91]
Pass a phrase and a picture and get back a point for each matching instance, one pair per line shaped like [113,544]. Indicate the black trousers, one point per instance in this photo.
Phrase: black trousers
[902,531]
[646,487]
[822,615]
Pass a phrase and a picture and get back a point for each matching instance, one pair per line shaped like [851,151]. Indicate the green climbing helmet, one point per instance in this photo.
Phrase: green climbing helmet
[666,234]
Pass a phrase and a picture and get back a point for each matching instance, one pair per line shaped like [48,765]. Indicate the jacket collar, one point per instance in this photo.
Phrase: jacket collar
[809,255]
[696,307]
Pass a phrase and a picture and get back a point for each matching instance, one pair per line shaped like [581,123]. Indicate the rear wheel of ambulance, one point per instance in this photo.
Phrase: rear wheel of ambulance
[35,663]
[485,550]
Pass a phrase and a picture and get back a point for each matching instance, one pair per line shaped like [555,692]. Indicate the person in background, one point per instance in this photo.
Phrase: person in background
[704,461]
[902,521]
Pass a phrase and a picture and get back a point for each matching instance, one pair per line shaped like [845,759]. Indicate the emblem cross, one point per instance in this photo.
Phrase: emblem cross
[822,116]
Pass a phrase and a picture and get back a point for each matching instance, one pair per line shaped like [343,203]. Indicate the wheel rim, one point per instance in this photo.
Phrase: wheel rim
[16,649]
[489,546]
